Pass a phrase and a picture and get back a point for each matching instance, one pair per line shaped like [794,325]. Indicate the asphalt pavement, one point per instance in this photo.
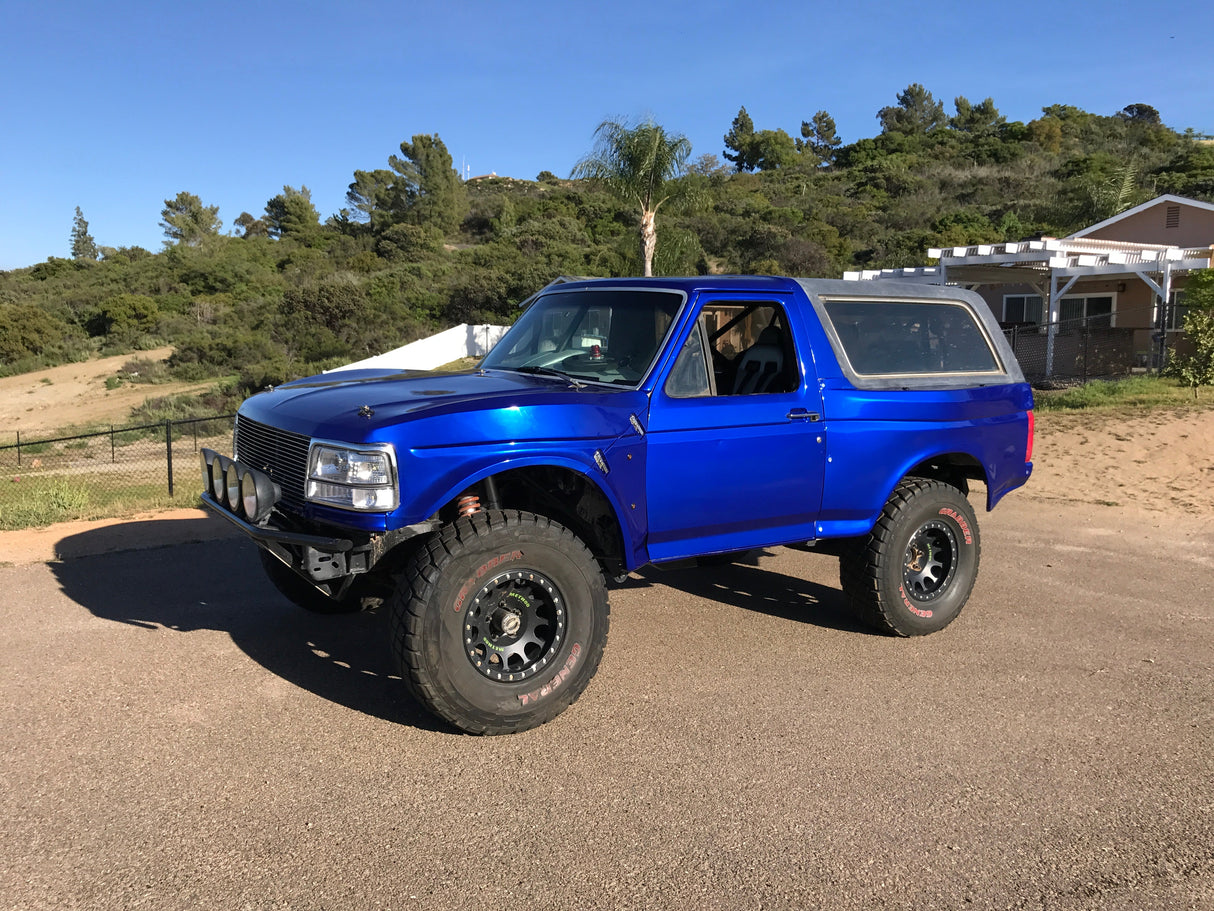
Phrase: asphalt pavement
[173,734]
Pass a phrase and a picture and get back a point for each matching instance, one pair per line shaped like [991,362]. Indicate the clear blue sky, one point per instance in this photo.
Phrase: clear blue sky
[116,107]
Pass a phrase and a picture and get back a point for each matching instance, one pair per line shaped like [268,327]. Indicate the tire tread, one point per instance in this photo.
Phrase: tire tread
[416,585]
[861,563]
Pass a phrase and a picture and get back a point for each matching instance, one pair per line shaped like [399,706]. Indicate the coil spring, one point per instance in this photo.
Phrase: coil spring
[468,505]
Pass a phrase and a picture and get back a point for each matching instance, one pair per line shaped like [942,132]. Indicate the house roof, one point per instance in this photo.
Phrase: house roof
[1017,261]
[1067,257]
[1166,199]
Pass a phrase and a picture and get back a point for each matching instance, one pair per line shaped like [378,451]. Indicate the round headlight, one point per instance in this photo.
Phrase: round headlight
[248,495]
[231,479]
[217,480]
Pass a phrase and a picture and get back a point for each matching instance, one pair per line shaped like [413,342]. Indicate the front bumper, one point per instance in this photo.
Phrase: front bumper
[328,561]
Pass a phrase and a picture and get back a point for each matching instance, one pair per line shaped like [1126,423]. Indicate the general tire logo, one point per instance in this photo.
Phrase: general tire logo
[556,682]
[906,602]
[480,574]
[960,520]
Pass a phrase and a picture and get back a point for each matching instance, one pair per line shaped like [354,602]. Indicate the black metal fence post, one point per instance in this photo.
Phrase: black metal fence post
[1087,349]
[168,447]
[18,448]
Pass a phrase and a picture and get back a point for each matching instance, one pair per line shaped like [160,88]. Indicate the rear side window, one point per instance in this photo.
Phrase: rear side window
[899,338]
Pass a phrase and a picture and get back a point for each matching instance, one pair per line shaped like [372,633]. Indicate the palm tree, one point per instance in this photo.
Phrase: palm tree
[636,163]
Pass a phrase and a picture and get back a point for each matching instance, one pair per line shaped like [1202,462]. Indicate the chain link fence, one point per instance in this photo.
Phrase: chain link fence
[106,472]
[1074,351]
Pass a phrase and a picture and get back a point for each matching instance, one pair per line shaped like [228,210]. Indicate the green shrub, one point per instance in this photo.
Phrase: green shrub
[36,502]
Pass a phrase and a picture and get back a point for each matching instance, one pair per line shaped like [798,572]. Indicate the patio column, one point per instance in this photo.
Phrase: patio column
[1053,317]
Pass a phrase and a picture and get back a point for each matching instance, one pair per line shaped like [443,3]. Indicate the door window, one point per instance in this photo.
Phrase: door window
[736,348]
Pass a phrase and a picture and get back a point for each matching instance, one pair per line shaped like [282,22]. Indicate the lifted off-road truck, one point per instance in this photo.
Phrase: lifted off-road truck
[624,422]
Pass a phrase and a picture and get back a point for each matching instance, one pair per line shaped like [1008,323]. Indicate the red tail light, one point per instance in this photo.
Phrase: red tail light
[1028,449]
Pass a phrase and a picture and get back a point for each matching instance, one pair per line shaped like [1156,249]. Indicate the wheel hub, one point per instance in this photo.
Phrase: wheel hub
[930,561]
[514,625]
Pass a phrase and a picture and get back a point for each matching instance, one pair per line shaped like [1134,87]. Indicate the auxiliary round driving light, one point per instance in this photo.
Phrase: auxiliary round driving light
[248,494]
[206,472]
[231,478]
[217,478]
[258,494]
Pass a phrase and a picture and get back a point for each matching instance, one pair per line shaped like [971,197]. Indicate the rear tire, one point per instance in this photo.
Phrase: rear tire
[913,573]
[499,621]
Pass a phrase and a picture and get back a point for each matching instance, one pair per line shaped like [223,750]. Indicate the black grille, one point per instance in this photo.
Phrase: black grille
[280,454]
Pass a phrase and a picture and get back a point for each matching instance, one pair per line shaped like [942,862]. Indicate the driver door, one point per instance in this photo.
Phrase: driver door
[735,442]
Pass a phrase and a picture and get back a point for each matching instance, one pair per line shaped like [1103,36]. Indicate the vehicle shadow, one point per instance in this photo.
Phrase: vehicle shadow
[751,582]
[219,585]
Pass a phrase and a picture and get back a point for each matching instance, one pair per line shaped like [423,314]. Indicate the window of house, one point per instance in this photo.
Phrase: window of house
[1096,311]
[1177,311]
[1022,308]
[1072,310]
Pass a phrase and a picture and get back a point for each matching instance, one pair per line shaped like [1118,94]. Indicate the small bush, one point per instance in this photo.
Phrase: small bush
[145,370]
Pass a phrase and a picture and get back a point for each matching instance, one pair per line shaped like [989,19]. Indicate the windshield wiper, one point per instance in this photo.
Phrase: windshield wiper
[552,371]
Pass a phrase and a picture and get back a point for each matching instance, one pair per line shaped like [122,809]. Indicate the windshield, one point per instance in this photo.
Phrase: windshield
[609,335]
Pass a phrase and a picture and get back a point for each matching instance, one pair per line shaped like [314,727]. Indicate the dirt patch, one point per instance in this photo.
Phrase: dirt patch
[1158,460]
[138,532]
[72,395]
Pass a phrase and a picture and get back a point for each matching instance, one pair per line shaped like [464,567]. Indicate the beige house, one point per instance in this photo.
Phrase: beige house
[1103,301]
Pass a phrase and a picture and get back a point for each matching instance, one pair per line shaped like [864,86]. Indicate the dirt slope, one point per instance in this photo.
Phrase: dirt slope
[49,400]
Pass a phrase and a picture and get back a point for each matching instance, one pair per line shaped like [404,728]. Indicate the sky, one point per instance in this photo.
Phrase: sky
[117,107]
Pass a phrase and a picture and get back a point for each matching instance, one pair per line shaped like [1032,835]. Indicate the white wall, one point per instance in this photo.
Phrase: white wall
[428,353]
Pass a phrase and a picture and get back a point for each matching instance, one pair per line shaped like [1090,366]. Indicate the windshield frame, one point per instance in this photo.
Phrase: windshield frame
[550,296]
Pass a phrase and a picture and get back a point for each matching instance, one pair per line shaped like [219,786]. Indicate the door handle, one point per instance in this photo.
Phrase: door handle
[803,414]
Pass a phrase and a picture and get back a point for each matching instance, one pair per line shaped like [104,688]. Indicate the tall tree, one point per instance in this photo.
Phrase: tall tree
[187,221]
[427,190]
[1140,113]
[637,163]
[252,227]
[83,245]
[370,197]
[740,142]
[916,113]
[291,213]
[819,137]
[981,119]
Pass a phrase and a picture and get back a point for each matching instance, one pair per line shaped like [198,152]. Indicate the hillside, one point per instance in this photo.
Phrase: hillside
[289,291]
[54,399]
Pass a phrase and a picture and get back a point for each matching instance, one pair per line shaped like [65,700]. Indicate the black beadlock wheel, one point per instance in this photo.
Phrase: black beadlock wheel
[913,573]
[499,621]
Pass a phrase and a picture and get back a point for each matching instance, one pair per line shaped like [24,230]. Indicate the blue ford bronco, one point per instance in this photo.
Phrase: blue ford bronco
[621,423]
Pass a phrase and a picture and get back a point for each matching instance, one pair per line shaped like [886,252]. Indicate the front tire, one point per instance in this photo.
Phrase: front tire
[913,573]
[499,621]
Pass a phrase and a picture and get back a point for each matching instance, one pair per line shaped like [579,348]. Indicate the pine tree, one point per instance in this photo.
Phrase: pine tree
[83,245]
[427,190]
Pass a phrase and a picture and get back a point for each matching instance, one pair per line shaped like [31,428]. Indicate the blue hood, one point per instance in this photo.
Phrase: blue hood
[421,409]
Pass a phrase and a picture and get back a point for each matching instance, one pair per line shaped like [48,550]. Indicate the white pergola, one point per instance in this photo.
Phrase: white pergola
[1052,266]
